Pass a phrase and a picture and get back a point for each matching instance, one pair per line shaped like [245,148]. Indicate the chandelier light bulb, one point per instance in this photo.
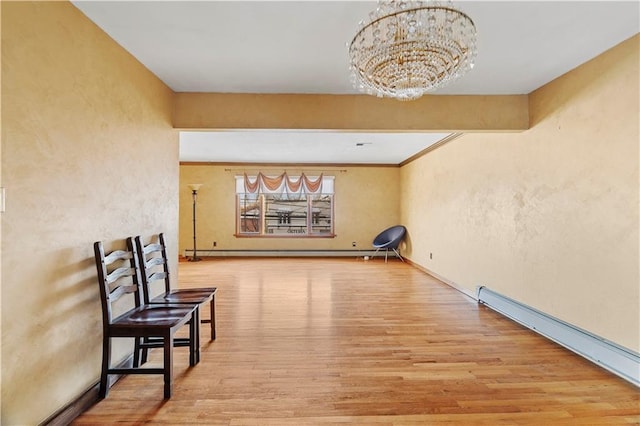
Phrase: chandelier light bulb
[409,48]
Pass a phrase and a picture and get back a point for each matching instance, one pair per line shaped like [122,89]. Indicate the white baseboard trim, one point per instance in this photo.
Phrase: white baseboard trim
[443,279]
[287,253]
[622,362]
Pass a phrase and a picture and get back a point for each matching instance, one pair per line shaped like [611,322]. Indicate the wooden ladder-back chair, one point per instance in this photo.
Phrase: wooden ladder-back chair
[155,269]
[118,275]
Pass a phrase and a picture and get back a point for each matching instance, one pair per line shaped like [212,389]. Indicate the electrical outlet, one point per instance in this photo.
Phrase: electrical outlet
[353,244]
[215,243]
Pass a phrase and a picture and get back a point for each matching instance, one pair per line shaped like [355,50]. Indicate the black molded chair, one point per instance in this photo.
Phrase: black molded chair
[155,269]
[390,239]
[119,275]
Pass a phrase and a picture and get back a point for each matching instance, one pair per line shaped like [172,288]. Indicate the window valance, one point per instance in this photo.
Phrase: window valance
[284,184]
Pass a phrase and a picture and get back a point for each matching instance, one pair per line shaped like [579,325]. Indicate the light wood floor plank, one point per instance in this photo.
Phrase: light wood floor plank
[344,341]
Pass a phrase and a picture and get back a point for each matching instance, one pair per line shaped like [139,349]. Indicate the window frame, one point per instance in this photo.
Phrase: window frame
[282,220]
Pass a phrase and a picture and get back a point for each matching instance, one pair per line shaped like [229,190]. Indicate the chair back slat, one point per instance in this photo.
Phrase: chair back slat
[116,255]
[121,291]
[156,267]
[154,261]
[149,248]
[156,276]
[120,273]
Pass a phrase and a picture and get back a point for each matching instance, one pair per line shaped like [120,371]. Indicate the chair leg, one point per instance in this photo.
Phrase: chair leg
[168,364]
[212,305]
[136,352]
[398,254]
[194,338]
[386,252]
[145,351]
[106,362]
[374,254]
[212,321]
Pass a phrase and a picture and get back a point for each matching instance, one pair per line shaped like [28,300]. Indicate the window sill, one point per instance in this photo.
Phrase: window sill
[284,235]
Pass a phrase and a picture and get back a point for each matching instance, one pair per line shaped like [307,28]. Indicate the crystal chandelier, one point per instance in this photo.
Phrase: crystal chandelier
[408,48]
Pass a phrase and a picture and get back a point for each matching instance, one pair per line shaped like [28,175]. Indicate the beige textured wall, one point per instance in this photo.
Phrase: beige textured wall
[549,216]
[88,154]
[367,199]
[350,112]
[1,185]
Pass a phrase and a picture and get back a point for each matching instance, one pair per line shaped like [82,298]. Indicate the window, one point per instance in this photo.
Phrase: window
[284,206]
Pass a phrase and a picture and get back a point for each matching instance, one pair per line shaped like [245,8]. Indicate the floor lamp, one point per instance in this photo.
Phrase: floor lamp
[194,193]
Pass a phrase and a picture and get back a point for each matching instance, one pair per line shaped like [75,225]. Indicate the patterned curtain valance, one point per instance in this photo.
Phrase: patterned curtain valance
[282,184]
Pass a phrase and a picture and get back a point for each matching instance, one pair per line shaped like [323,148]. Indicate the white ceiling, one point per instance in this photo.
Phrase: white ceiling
[304,147]
[300,47]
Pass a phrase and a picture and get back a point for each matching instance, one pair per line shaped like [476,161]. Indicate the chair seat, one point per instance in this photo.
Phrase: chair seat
[383,244]
[157,316]
[196,296]
[390,237]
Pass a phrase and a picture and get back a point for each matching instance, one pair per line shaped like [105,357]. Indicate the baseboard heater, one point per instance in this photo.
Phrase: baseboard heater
[284,253]
[618,360]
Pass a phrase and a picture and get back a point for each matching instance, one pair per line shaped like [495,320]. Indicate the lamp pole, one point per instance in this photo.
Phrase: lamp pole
[194,194]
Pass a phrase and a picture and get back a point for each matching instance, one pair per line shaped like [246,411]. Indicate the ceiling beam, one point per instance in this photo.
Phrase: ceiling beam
[436,113]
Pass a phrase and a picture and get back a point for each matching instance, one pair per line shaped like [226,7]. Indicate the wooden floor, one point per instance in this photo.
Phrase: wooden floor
[344,341]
